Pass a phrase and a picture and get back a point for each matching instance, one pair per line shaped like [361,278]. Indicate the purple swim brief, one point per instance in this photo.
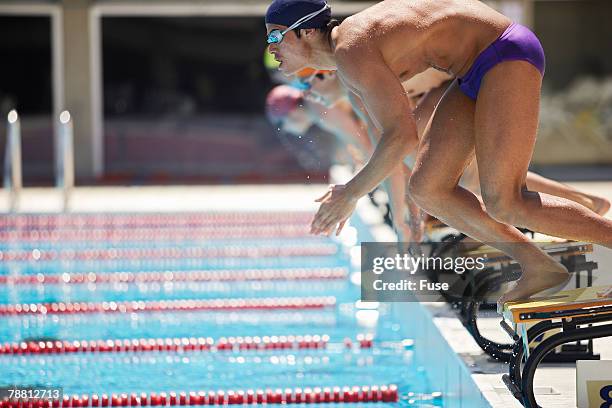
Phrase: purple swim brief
[516,43]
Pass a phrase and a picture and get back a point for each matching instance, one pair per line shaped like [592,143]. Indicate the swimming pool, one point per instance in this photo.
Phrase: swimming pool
[126,304]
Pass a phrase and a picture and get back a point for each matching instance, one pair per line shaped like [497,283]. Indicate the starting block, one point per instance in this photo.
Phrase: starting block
[570,314]
[500,269]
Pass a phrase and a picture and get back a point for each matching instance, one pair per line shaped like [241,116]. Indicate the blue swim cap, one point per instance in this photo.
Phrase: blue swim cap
[287,12]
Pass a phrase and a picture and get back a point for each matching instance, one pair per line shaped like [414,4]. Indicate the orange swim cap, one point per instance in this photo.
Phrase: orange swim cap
[308,72]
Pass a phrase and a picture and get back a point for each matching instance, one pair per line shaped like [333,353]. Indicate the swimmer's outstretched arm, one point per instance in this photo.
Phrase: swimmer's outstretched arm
[348,129]
[395,184]
[389,108]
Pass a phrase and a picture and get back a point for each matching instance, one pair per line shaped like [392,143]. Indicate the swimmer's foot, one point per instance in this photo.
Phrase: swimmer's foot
[550,281]
[600,205]
[469,244]
[607,292]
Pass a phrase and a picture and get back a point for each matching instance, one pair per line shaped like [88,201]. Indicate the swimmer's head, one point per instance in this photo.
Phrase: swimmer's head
[285,110]
[325,88]
[293,26]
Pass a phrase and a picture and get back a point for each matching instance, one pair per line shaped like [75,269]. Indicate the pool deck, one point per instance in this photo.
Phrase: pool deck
[486,373]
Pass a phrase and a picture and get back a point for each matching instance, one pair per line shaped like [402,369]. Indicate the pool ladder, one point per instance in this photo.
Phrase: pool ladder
[64,160]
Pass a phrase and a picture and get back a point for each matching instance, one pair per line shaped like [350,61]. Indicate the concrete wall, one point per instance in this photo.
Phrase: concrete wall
[77,86]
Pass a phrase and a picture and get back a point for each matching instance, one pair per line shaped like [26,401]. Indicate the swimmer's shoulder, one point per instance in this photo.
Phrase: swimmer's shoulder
[350,35]
[354,38]
[376,28]
[350,47]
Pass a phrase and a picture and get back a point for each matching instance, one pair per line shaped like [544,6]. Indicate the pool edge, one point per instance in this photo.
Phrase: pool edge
[458,385]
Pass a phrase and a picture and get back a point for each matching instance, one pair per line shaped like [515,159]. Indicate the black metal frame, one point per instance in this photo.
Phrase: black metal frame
[480,285]
[519,380]
[490,279]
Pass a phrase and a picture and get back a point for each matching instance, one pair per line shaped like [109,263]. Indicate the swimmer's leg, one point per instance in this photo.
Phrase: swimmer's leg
[395,186]
[506,121]
[444,152]
[423,112]
[425,107]
[415,216]
[541,184]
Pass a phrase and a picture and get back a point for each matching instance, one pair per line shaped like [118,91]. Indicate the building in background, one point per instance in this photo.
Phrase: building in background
[173,91]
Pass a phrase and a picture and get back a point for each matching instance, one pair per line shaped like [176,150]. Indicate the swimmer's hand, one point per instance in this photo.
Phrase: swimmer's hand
[417,230]
[336,207]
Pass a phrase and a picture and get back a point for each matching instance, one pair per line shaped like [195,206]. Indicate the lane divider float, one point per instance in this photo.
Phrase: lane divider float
[153,220]
[222,275]
[183,305]
[316,395]
[194,252]
[156,234]
[177,344]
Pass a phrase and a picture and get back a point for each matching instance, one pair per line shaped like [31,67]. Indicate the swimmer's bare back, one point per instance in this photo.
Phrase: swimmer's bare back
[413,35]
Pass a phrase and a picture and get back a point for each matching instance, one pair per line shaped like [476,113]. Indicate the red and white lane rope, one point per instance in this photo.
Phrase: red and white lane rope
[169,305]
[227,251]
[157,234]
[237,275]
[151,220]
[316,395]
[179,344]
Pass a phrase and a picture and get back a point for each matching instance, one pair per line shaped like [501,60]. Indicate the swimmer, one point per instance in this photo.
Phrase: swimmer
[287,109]
[290,111]
[426,89]
[325,88]
[425,106]
[490,112]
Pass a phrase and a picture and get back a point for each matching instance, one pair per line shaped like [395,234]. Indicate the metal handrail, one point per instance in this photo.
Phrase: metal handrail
[12,160]
[65,159]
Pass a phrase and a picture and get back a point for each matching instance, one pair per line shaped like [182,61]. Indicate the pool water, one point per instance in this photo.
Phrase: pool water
[81,248]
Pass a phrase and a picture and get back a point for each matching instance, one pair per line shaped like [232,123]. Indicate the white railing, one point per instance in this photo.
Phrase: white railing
[64,160]
[12,160]
[64,171]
